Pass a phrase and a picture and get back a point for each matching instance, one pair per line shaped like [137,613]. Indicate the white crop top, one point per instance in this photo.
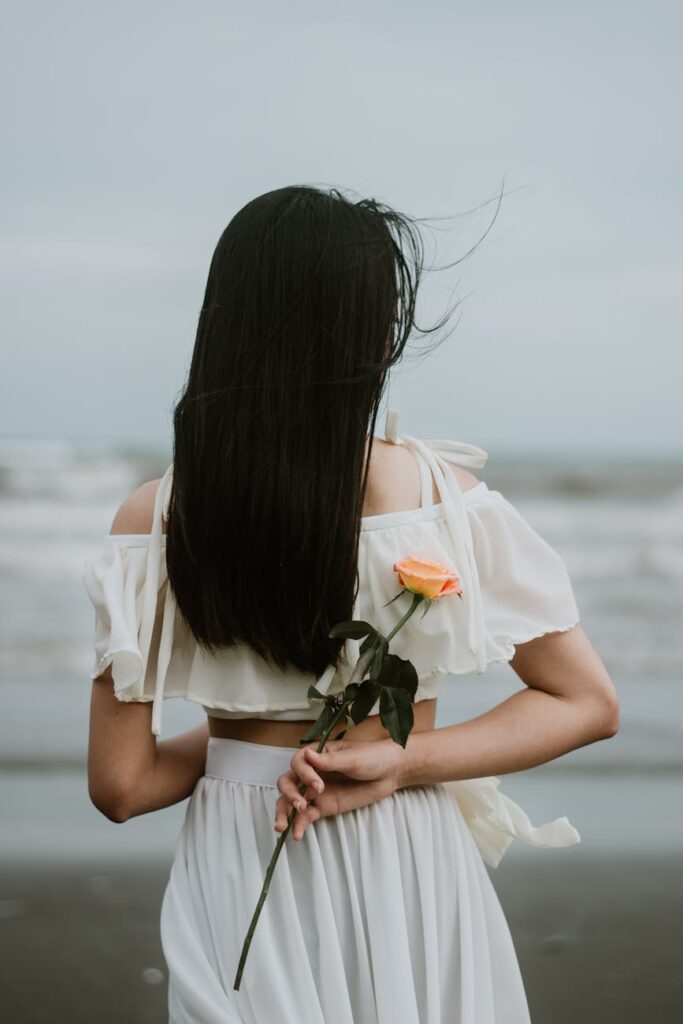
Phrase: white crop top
[515,587]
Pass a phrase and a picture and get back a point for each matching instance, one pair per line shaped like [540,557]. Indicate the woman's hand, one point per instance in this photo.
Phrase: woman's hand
[348,774]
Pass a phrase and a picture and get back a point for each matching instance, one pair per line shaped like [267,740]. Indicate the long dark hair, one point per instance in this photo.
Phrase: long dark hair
[310,299]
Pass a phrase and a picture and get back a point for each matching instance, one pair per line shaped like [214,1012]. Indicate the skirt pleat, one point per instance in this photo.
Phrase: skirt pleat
[381,915]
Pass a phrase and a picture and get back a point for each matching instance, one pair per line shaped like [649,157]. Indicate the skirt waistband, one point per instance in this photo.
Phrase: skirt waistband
[493,818]
[241,761]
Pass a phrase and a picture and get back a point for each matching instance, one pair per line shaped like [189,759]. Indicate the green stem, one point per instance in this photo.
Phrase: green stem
[358,673]
[417,601]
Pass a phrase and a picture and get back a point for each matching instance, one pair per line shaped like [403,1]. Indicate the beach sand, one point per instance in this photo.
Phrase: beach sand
[598,938]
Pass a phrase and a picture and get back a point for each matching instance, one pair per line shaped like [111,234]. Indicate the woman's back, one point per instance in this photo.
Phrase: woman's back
[515,587]
[394,486]
[222,584]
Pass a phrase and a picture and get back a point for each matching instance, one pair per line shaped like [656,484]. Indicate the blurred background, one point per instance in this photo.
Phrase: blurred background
[549,139]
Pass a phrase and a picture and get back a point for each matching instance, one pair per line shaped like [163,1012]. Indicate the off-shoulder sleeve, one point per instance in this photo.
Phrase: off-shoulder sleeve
[114,578]
[126,580]
[515,587]
[135,618]
[526,589]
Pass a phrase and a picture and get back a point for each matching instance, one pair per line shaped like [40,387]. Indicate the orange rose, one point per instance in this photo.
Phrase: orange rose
[430,579]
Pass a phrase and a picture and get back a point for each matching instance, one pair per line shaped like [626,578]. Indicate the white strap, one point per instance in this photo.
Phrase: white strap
[149,601]
[460,452]
[435,454]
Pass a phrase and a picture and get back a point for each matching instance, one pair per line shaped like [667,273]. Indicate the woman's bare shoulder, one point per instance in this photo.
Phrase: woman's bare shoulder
[394,479]
[136,512]
[393,485]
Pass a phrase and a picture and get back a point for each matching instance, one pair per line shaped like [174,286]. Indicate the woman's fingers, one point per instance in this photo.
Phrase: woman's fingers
[288,783]
[355,774]
[337,798]
[343,759]
[302,767]
[303,817]
[283,809]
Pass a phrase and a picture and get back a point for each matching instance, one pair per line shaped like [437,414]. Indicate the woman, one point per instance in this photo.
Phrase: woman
[281,515]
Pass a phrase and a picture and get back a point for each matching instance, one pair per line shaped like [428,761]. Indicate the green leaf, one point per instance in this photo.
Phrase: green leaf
[355,629]
[399,672]
[396,713]
[367,695]
[387,603]
[321,723]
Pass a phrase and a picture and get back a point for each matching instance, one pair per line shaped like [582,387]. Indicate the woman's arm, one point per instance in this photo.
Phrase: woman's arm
[570,701]
[130,772]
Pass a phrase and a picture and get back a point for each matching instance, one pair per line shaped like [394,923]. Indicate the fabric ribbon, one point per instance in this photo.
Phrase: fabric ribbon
[495,820]
[436,453]
[149,602]
[433,454]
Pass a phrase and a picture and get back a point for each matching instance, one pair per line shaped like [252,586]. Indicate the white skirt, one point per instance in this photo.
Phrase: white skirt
[381,915]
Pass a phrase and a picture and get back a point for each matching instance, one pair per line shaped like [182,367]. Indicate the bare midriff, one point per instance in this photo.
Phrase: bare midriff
[288,734]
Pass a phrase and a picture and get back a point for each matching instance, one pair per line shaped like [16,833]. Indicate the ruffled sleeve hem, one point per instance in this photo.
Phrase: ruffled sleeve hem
[466,666]
[127,672]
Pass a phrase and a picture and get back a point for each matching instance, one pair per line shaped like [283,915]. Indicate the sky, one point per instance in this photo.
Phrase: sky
[133,132]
